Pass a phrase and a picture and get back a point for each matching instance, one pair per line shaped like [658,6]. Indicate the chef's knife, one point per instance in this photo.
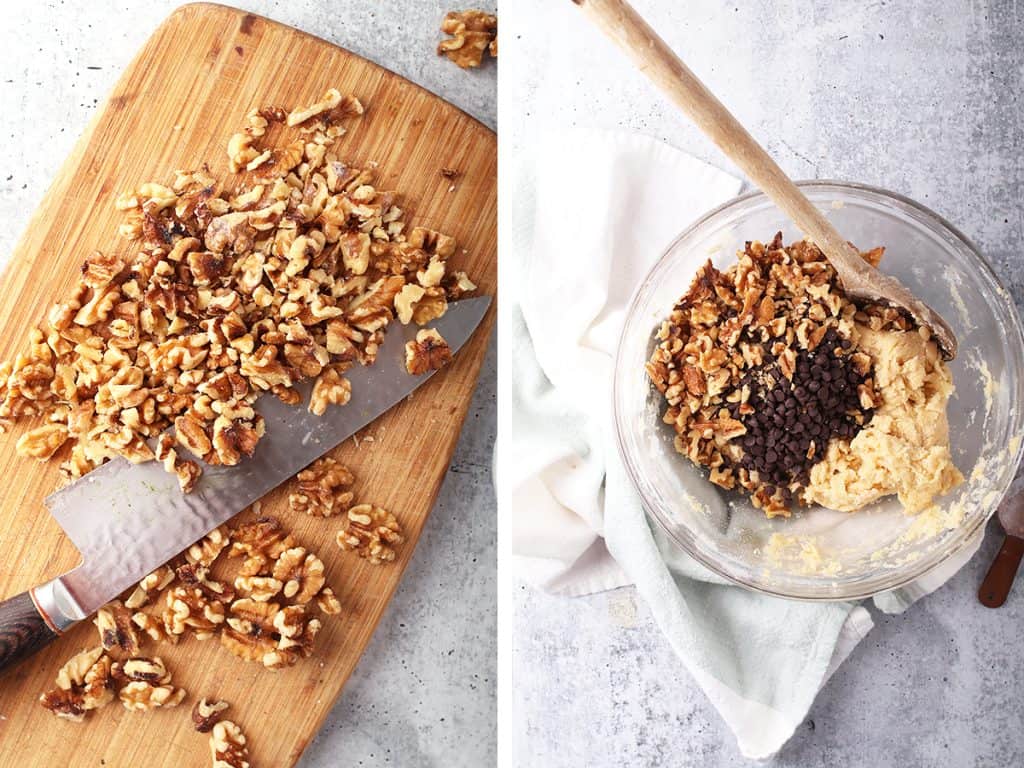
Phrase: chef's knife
[127,519]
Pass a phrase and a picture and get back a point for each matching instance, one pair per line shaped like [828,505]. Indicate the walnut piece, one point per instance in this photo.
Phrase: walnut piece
[250,632]
[206,714]
[427,353]
[42,442]
[263,537]
[323,489]
[227,746]
[154,582]
[472,33]
[142,696]
[114,623]
[188,608]
[328,602]
[301,573]
[330,388]
[259,588]
[372,532]
[84,683]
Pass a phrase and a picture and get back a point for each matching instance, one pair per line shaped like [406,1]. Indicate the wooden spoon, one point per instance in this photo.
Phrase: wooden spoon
[620,22]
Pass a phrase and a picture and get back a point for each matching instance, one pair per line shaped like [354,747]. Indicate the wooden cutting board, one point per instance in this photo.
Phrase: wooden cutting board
[176,105]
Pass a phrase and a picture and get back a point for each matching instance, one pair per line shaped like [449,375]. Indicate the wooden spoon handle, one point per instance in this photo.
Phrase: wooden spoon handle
[620,22]
[996,586]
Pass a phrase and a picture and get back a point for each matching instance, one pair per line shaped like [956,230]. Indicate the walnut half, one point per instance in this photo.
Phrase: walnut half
[472,33]
[324,489]
[372,532]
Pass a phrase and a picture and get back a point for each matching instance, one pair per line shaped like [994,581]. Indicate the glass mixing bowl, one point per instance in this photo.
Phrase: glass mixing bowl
[820,554]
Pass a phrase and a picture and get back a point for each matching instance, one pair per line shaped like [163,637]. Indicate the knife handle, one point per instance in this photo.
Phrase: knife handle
[996,586]
[31,621]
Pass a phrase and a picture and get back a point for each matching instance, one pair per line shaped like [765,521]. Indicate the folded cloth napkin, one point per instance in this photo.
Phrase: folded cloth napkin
[593,213]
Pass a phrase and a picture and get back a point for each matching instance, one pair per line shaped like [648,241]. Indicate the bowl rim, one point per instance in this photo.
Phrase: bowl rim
[924,565]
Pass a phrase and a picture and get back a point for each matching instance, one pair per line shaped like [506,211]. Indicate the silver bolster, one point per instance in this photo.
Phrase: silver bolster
[56,605]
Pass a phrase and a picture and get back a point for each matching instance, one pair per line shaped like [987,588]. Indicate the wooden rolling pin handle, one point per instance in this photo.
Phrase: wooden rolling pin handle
[24,629]
[620,22]
[996,587]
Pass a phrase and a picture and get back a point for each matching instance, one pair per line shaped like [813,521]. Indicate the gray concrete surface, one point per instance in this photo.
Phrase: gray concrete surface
[424,693]
[920,97]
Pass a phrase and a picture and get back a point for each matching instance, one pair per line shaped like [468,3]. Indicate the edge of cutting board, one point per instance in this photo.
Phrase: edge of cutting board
[15,319]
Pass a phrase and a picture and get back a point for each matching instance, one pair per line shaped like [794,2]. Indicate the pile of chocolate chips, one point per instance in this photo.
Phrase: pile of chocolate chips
[821,402]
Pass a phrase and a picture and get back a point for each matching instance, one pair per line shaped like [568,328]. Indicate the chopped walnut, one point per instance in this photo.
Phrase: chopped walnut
[42,442]
[154,582]
[259,588]
[250,632]
[330,388]
[84,683]
[759,371]
[298,634]
[262,537]
[323,489]
[328,602]
[301,573]
[189,608]
[114,623]
[153,627]
[142,696]
[143,670]
[206,714]
[427,353]
[472,33]
[208,549]
[227,746]
[372,532]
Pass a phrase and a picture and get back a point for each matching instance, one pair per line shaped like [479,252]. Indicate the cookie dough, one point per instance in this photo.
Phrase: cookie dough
[904,449]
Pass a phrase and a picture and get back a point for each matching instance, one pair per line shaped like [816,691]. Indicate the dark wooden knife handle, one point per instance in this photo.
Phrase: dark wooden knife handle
[23,629]
[996,586]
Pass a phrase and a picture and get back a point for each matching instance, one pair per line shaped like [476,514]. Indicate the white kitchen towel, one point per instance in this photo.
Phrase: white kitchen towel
[593,212]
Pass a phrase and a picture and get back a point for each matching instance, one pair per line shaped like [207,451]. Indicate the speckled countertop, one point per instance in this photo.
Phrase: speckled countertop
[424,691]
[920,97]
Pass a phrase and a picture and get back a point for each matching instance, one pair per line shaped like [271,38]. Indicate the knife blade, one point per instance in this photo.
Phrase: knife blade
[128,519]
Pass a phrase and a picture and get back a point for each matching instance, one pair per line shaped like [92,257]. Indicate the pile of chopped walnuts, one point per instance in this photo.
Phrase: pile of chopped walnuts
[472,33]
[733,358]
[227,290]
[266,611]
[267,614]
